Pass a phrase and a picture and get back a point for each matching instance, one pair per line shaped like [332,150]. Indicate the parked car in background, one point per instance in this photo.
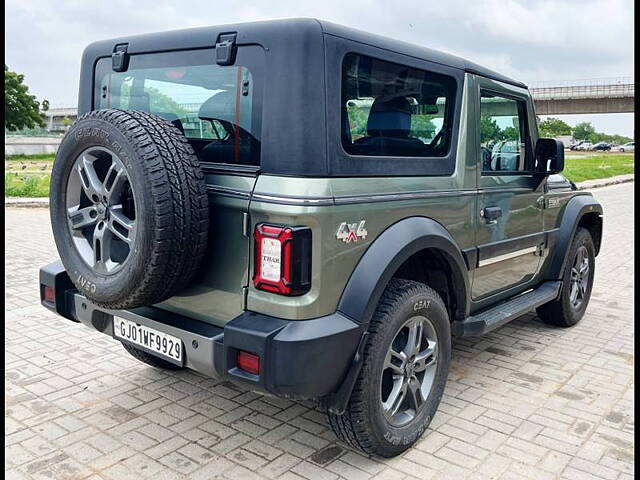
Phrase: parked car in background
[505,155]
[627,147]
[605,147]
[576,145]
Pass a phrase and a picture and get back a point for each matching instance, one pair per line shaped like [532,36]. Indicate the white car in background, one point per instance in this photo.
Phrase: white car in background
[627,147]
[585,146]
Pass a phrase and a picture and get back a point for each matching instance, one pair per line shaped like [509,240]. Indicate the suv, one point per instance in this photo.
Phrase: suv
[311,211]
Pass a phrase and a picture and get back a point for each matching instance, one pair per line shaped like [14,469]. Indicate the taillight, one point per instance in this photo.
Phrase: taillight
[282,259]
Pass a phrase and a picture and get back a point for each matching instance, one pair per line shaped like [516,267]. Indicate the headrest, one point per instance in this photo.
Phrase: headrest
[220,106]
[389,118]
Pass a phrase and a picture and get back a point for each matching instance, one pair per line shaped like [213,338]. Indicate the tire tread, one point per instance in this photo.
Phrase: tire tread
[351,426]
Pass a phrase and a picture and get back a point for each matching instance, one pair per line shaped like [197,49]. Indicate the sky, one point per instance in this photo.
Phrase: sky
[529,40]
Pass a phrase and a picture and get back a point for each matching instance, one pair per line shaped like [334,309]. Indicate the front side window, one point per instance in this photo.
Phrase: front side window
[502,133]
[394,110]
[211,105]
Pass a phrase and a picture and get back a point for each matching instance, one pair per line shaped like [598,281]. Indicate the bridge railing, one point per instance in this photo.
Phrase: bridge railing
[614,87]
[581,82]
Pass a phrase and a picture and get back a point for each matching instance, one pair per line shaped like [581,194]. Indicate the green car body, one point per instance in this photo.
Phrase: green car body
[479,236]
[323,204]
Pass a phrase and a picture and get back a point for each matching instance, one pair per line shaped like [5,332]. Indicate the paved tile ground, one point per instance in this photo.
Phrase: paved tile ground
[526,401]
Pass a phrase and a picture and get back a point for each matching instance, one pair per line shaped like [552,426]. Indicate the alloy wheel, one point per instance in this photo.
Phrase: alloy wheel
[101,212]
[579,279]
[409,371]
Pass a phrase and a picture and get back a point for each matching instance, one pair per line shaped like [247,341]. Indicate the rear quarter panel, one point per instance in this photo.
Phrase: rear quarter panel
[379,201]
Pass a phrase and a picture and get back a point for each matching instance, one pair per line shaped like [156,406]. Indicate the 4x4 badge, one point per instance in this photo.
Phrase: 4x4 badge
[350,232]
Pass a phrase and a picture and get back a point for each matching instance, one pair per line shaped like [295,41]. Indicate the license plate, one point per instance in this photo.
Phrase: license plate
[157,342]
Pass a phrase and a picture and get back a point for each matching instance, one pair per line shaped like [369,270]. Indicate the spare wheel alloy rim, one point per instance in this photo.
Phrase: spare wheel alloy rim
[101,210]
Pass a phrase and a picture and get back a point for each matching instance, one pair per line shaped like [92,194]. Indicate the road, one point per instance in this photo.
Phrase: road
[525,401]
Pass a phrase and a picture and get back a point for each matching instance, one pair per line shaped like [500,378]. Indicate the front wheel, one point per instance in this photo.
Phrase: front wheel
[577,282]
[404,371]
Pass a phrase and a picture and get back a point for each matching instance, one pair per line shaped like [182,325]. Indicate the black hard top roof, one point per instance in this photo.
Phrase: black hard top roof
[413,50]
[294,29]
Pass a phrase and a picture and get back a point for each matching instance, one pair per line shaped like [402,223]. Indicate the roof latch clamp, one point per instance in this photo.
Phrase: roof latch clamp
[226,49]
[119,58]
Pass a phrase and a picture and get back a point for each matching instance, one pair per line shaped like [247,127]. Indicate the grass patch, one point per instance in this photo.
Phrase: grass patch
[40,157]
[597,166]
[20,185]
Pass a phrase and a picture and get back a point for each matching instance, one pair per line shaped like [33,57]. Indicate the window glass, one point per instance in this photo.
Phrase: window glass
[394,110]
[502,133]
[210,104]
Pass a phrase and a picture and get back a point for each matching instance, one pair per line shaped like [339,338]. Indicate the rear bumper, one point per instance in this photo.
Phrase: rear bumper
[298,359]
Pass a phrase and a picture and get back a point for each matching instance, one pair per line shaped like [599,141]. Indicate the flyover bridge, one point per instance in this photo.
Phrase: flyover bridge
[596,95]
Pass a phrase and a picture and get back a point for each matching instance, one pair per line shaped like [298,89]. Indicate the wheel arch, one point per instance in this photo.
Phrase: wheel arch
[406,250]
[389,255]
[580,211]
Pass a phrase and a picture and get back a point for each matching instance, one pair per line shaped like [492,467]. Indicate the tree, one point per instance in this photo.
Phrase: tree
[511,133]
[159,102]
[423,127]
[21,110]
[357,121]
[489,130]
[554,127]
[584,131]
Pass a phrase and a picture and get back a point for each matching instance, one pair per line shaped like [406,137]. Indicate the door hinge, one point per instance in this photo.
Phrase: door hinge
[120,58]
[226,49]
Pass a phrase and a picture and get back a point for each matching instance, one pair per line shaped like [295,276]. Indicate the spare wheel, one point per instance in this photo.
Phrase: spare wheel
[128,207]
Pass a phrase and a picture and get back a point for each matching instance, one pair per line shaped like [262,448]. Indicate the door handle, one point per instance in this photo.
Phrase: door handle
[491,214]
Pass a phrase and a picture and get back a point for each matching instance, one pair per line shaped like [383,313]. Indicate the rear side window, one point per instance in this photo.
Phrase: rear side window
[212,105]
[394,110]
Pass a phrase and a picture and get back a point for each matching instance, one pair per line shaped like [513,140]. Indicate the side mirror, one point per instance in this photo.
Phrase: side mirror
[549,156]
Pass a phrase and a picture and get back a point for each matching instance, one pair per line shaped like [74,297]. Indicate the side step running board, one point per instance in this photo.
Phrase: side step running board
[493,317]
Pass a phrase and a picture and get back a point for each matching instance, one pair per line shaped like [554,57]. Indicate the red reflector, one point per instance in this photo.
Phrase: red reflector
[249,362]
[49,294]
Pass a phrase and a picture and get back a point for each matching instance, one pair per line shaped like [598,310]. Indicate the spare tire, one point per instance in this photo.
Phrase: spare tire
[128,208]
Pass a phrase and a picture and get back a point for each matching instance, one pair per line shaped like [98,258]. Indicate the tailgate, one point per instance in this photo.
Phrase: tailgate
[217,294]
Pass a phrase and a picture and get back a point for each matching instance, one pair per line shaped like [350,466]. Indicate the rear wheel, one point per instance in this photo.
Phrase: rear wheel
[577,282]
[405,366]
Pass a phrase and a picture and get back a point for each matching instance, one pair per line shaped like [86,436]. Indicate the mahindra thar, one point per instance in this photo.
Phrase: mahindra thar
[311,211]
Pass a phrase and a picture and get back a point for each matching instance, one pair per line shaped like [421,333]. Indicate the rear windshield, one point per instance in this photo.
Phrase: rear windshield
[394,110]
[213,106]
